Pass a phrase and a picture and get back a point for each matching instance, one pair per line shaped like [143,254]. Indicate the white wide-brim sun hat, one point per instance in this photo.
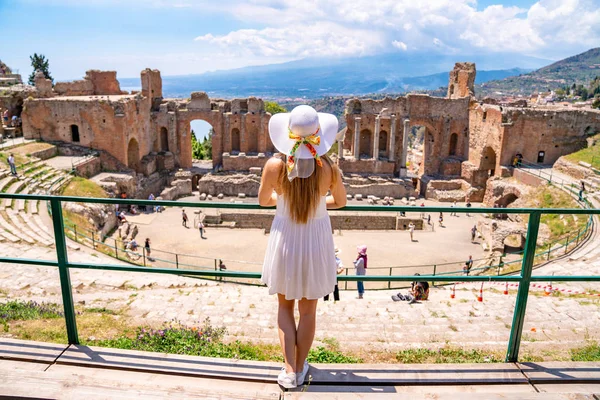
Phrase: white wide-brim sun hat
[303,121]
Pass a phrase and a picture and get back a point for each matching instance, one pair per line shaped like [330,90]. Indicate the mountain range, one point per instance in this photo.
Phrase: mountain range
[315,78]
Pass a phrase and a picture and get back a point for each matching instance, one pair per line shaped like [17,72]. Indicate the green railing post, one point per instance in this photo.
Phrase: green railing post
[346,282]
[75,230]
[93,241]
[512,354]
[144,255]
[434,271]
[549,250]
[390,282]
[567,244]
[63,270]
[116,250]
[577,239]
[176,260]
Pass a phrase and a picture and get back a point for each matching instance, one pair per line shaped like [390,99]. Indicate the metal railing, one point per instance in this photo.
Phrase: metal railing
[525,278]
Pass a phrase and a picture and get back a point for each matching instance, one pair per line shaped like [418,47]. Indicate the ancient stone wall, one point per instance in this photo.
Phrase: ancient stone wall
[95,82]
[379,125]
[462,80]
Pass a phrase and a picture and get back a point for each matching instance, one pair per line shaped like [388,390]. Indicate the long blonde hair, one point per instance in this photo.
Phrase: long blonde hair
[304,194]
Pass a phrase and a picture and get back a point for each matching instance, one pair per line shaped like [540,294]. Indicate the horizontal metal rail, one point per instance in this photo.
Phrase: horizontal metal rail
[524,278]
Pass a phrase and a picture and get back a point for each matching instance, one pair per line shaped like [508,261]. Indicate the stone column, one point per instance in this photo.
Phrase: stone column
[356,137]
[227,133]
[243,141]
[341,149]
[404,147]
[376,138]
[392,149]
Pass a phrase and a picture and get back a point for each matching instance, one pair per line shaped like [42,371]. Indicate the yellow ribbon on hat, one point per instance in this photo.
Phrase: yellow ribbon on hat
[309,141]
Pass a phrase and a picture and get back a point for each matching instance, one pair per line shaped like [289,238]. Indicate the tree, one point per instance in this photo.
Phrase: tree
[42,63]
[207,144]
[197,148]
[596,103]
[274,108]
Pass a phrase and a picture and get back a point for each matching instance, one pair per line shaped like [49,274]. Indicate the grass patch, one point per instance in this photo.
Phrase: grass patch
[448,355]
[81,187]
[590,352]
[19,159]
[559,225]
[590,155]
[31,148]
[22,310]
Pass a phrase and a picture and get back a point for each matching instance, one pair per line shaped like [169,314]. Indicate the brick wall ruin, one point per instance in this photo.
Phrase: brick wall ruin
[462,80]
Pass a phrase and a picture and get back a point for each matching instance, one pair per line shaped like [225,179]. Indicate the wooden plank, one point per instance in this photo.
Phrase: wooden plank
[561,372]
[416,374]
[10,365]
[437,396]
[25,350]
[589,388]
[130,360]
[91,384]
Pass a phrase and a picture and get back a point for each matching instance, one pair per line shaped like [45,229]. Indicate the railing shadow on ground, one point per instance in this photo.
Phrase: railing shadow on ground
[524,279]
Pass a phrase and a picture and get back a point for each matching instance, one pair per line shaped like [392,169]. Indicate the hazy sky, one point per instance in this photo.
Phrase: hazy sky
[194,36]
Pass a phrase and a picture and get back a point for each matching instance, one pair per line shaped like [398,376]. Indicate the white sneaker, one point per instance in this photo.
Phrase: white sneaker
[286,380]
[302,375]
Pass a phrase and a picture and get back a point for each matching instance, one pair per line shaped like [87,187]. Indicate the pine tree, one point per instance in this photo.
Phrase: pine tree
[42,63]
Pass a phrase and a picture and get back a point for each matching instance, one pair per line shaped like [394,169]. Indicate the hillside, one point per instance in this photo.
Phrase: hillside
[579,69]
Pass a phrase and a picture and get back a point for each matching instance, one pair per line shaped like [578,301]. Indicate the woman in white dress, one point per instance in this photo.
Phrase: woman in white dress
[300,259]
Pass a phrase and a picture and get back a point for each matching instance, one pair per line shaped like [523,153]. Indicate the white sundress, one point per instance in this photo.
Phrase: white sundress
[300,258]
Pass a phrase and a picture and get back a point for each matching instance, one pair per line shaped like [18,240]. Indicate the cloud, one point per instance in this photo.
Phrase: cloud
[322,39]
[399,45]
[340,28]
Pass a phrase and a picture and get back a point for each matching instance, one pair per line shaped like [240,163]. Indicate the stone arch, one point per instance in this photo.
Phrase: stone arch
[453,143]
[383,144]
[514,243]
[164,139]
[366,144]
[133,154]
[75,138]
[195,180]
[506,200]
[235,141]
[589,131]
[488,160]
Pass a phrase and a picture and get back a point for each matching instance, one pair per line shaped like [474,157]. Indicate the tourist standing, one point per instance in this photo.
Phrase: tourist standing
[148,250]
[151,198]
[473,233]
[340,269]
[12,165]
[581,190]
[184,218]
[361,268]
[453,212]
[468,206]
[468,266]
[300,259]
[411,229]
[201,228]
[441,219]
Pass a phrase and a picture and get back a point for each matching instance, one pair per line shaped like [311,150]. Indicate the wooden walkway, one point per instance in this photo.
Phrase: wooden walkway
[54,371]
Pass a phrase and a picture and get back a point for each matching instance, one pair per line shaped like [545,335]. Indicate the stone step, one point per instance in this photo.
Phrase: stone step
[41,172]
[33,206]
[21,229]
[40,224]
[9,236]
[13,188]
[20,203]
[36,233]
[15,230]
[30,167]
[6,181]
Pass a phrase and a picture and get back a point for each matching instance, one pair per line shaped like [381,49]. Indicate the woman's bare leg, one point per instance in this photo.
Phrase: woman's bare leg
[287,332]
[306,330]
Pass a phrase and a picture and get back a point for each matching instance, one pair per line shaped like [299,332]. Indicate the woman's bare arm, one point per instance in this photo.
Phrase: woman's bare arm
[267,196]
[337,199]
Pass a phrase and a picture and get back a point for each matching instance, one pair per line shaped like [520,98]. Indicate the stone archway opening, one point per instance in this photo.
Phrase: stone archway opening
[133,154]
[235,141]
[163,139]
[506,200]
[75,134]
[488,160]
[514,243]
[383,150]
[201,133]
[366,144]
[453,143]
